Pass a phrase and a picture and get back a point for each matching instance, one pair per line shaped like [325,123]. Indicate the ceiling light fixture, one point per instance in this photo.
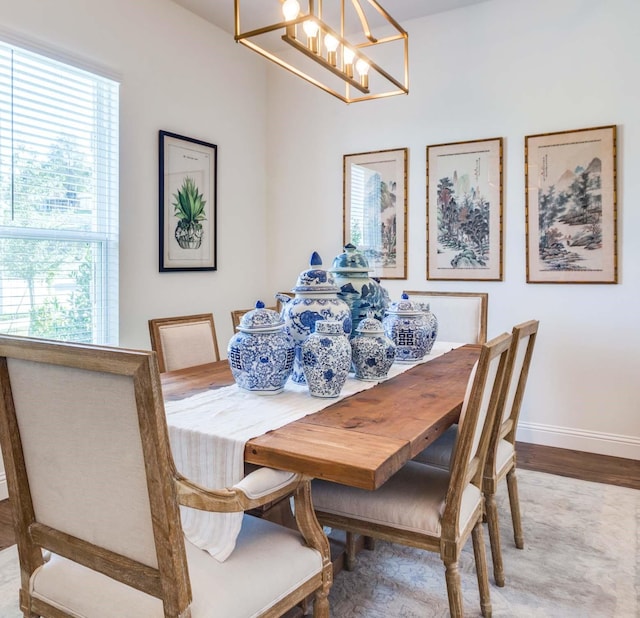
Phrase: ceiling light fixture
[326,55]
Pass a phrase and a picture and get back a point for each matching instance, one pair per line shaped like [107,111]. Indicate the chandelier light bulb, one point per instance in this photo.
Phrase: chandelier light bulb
[331,43]
[347,61]
[363,69]
[310,28]
[290,9]
[348,55]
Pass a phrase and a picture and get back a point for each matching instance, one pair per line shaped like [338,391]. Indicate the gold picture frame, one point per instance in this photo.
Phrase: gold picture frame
[375,209]
[464,211]
[571,209]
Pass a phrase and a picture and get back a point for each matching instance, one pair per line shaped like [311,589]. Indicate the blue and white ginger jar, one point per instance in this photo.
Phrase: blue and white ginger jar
[409,327]
[315,299]
[326,359]
[360,291]
[261,353]
[372,352]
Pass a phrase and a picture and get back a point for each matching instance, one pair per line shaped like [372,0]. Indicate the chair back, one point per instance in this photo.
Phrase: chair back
[515,379]
[475,424]
[89,469]
[184,341]
[462,316]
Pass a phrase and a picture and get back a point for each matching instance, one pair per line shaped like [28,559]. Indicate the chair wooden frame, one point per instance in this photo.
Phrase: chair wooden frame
[166,489]
[500,463]
[157,324]
[467,467]
[484,306]
[506,423]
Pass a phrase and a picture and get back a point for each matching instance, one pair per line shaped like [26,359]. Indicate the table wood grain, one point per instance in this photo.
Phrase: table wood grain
[361,440]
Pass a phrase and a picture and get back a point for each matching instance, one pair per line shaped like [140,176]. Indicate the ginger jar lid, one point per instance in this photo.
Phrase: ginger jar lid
[370,325]
[260,319]
[351,261]
[405,306]
[315,279]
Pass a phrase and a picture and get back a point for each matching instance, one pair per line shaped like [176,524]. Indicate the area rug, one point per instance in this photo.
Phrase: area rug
[581,559]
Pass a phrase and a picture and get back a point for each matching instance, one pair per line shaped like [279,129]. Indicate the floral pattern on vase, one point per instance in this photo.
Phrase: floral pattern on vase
[372,352]
[315,299]
[261,353]
[326,359]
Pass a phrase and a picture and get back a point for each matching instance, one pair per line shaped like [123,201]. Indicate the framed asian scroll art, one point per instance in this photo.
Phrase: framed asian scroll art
[188,181]
[464,210]
[571,206]
[375,209]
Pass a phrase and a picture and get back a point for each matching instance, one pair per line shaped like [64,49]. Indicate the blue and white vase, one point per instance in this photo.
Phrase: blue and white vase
[407,325]
[360,291]
[326,359]
[315,299]
[261,353]
[372,352]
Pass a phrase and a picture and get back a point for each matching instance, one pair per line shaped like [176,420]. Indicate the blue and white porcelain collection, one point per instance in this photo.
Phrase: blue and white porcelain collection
[308,342]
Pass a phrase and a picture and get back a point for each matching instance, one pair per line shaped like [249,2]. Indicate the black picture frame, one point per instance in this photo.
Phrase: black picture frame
[188,203]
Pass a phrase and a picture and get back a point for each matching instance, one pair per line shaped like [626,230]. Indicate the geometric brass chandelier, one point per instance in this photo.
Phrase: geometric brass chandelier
[340,46]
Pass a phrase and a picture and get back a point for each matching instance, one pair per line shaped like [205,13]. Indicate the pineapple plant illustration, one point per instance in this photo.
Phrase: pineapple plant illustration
[189,208]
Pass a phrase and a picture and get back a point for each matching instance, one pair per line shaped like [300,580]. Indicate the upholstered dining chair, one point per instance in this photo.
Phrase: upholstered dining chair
[91,479]
[429,507]
[184,341]
[462,316]
[236,315]
[501,458]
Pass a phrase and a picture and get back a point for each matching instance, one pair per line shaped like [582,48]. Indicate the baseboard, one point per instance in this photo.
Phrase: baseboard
[613,445]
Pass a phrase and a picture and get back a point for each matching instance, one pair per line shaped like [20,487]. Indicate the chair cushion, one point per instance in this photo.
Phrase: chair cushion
[413,499]
[440,452]
[269,562]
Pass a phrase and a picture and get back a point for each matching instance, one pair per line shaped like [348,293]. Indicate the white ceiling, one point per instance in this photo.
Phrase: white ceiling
[220,12]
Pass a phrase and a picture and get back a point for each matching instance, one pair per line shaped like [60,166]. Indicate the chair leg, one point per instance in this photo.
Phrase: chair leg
[350,552]
[454,592]
[369,543]
[321,604]
[481,569]
[494,538]
[514,502]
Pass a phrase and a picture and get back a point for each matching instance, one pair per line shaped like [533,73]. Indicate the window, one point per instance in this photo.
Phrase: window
[58,200]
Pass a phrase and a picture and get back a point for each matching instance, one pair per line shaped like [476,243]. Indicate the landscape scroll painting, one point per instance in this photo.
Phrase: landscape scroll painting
[571,206]
[464,211]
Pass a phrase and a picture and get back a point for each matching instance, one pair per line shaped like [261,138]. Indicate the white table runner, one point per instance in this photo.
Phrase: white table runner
[208,433]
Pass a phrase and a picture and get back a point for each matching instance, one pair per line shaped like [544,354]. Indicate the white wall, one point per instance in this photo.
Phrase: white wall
[505,68]
[180,74]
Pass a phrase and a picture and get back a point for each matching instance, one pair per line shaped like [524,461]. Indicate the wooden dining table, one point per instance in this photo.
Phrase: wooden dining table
[361,440]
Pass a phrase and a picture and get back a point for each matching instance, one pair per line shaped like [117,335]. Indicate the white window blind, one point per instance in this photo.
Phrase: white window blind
[58,200]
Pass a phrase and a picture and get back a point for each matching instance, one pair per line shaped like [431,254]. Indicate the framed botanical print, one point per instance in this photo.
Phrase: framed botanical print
[571,206]
[187,203]
[464,210]
[375,209]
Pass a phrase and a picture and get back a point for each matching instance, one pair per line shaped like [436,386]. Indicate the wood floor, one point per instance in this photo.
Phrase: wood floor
[575,464]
